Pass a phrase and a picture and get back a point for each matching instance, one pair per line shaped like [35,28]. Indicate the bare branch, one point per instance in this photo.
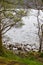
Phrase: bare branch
[6,30]
[8,10]
[11,25]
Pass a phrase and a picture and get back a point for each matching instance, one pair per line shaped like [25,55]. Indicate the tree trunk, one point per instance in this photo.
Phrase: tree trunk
[1,48]
[40,45]
[40,36]
[0,42]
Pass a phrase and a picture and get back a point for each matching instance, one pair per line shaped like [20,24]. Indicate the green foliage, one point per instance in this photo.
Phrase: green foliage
[16,19]
[11,4]
[41,54]
[9,15]
[21,2]
[7,4]
[22,12]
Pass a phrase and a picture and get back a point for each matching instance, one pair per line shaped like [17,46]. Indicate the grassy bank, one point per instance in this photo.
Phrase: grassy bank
[31,58]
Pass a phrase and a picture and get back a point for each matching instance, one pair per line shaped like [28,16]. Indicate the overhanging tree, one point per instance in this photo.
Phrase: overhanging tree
[9,17]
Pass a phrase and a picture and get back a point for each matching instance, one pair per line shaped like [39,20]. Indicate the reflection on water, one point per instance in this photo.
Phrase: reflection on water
[26,33]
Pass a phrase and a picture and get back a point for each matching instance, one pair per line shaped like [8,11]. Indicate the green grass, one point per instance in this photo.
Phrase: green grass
[29,60]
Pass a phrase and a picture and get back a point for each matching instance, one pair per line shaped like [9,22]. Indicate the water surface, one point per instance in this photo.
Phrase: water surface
[27,34]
